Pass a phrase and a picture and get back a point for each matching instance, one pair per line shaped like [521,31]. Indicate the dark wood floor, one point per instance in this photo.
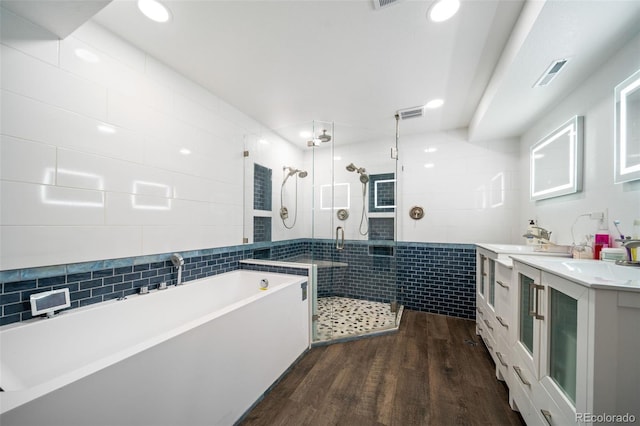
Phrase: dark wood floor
[425,374]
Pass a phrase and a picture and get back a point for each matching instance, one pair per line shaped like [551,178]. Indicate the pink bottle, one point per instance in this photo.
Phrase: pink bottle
[602,241]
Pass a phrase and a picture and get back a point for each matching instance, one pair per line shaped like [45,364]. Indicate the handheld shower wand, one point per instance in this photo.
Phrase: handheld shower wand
[284,212]
[364,178]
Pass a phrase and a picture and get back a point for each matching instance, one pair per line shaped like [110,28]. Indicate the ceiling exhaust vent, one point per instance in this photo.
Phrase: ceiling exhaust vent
[414,112]
[551,72]
[379,4]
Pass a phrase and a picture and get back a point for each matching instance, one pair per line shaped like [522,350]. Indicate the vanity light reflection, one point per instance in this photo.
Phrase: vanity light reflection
[556,161]
[627,129]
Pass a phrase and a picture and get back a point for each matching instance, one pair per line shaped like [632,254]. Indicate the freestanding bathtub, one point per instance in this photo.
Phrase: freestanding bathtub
[198,354]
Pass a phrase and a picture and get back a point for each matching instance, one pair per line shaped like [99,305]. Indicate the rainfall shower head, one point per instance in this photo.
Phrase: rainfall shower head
[324,137]
[351,167]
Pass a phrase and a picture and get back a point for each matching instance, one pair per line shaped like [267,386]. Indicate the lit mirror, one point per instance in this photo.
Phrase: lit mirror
[627,129]
[556,162]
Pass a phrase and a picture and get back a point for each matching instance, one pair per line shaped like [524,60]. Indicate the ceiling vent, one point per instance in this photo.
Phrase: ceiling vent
[551,72]
[414,112]
[379,4]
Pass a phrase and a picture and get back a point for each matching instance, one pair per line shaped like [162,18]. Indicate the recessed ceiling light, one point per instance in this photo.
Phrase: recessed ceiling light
[305,134]
[263,141]
[443,9]
[430,150]
[429,166]
[154,10]
[185,151]
[434,103]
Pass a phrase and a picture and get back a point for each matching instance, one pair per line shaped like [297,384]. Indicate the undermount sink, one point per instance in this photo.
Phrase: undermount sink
[544,249]
[589,272]
[604,270]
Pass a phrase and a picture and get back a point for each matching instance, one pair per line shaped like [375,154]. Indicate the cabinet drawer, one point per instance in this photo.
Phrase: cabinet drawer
[503,360]
[548,410]
[520,400]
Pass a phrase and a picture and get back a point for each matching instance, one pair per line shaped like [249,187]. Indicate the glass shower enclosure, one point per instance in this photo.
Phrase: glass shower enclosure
[353,235]
[344,196]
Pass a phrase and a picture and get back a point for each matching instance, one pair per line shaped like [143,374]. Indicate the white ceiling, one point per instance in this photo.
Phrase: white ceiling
[288,62]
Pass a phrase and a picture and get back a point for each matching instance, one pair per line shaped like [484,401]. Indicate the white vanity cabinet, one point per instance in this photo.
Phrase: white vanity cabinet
[575,347]
[494,300]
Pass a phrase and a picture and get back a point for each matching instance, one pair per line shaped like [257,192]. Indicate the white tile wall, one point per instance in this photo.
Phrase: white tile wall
[91,167]
[594,100]
[467,192]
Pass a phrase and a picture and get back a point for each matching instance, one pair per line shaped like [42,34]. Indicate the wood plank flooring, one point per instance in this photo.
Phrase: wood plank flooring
[425,374]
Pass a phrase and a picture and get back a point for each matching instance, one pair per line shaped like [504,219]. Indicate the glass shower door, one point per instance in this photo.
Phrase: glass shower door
[353,236]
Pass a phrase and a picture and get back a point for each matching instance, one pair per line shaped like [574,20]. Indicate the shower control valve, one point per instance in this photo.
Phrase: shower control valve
[416,213]
[343,214]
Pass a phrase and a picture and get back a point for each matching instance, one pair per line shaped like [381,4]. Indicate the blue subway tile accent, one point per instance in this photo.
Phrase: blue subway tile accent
[261,187]
[433,277]
[79,277]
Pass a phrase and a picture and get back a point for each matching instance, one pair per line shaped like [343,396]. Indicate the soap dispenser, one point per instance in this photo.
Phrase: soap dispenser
[532,230]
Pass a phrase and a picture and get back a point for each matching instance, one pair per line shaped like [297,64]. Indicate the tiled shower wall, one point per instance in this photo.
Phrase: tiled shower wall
[435,278]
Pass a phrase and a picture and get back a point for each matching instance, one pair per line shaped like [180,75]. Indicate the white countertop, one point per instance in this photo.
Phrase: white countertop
[534,250]
[590,273]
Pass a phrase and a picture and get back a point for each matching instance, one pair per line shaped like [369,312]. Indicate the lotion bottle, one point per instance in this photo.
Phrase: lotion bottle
[602,240]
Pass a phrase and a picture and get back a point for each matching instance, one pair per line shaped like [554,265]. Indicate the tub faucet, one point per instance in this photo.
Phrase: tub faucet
[178,262]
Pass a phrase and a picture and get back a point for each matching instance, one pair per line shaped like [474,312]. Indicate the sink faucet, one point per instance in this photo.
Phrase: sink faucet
[628,244]
[178,262]
[540,234]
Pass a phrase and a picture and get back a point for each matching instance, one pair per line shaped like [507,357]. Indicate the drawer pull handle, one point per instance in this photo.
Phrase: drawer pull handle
[499,355]
[547,416]
[501,284]
[502,323]
[480,311]
[519,374]
[488,325]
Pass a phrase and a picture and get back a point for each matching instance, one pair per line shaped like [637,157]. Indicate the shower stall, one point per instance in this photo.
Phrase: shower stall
[344,198]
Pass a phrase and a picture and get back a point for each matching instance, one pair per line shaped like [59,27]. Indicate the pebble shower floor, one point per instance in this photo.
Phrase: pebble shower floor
[343,317]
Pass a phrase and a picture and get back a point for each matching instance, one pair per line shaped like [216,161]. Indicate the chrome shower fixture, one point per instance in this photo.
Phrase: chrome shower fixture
[290,171]
[364,177]
[324,137]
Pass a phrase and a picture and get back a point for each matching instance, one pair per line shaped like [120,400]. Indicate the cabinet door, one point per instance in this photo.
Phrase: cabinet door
[491,282]
[563,369]
[481,276]
[527,315]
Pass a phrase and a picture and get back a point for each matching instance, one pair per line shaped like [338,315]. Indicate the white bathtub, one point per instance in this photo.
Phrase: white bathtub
[200,353]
